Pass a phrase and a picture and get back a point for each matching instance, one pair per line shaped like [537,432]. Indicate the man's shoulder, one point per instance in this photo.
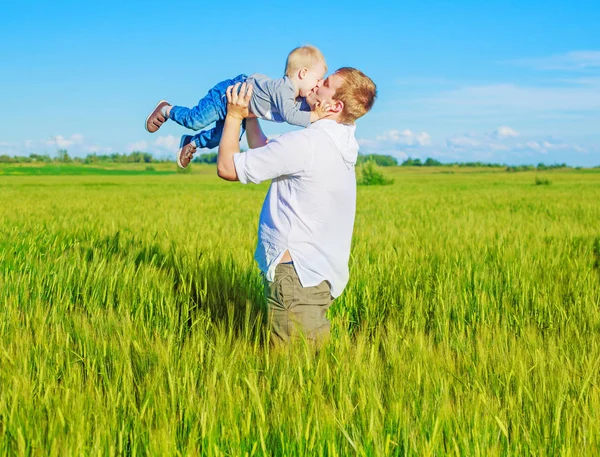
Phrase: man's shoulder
[295,136]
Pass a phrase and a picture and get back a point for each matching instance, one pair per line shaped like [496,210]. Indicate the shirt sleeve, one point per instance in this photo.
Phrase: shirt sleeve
[289,109]
[288,155]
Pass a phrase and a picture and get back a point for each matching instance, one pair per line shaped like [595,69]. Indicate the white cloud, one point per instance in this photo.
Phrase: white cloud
[76,145]
[406,137]
[501,145]
[61,142]
[400,144]
[7,148]
[574,60]
[495,143]
[462,142]
[503,132]
[546,146]
[423,81]
[591,81]
[570,101]
[169,142]
[138,146]
[487,99]
[96,149]
[402,155]
[424,139]
[534,145]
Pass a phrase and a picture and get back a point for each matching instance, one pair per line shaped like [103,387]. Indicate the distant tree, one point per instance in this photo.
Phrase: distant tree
[138,157]
[39,157]
[7,159]
[429,162]
[379,159]
[90,158]
[410,162]
[210,157]
[63,156]
[115,157]
[515,168]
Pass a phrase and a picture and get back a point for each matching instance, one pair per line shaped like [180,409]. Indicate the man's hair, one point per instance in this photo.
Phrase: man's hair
[303,56]
[358,93]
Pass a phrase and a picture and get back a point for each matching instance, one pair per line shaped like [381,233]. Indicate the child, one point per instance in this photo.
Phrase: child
[277,100]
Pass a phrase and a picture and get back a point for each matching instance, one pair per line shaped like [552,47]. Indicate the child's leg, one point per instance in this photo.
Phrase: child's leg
[211,108]
[198,117]
[208,139]
[211,138]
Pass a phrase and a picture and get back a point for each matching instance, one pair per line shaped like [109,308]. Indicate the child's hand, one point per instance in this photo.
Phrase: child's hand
[320,111]
[238,99]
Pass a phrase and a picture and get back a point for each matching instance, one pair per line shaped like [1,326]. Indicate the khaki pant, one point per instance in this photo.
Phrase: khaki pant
[295,310]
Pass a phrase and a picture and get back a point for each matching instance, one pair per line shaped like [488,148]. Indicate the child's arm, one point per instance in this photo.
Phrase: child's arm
[289,109]
[284,101]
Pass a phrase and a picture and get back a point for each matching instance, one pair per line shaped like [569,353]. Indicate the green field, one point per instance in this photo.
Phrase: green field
[131,323]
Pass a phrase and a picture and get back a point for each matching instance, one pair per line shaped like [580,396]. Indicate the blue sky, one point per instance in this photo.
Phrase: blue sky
[509,82]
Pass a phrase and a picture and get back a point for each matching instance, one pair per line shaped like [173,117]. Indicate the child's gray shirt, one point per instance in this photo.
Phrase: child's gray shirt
[275,100]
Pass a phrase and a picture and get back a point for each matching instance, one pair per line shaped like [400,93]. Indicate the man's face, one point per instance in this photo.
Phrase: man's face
[325,90]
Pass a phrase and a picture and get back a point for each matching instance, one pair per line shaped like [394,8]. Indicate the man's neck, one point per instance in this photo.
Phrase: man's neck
[334,117]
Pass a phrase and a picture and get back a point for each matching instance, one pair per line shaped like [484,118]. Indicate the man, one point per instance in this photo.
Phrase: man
[306,223]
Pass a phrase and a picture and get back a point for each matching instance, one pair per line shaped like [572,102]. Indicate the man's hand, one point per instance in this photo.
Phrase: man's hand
[320,111]
[238,99]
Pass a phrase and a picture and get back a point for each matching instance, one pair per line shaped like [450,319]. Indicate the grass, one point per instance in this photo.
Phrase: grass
[131,324]
[540,181]
[79,169]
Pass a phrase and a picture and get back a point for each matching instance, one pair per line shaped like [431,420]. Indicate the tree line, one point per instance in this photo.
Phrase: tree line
[381,160]
[389,161]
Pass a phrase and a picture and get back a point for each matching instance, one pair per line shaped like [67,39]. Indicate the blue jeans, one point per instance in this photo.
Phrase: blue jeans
[211,108]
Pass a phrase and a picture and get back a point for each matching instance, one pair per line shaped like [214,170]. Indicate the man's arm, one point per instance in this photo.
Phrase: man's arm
[237,110]
[291,154]
[287,155]
[254,134]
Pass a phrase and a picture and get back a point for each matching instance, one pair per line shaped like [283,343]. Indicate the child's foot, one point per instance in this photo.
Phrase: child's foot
[157,117]
[186,151]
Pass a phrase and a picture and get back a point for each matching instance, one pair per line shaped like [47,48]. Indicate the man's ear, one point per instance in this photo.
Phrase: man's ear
[337,106]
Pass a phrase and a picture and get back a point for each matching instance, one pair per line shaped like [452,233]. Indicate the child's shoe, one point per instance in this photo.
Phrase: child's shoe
[186,151]
[157,117]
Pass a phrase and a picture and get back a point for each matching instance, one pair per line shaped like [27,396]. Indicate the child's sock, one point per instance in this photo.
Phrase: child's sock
[164,111]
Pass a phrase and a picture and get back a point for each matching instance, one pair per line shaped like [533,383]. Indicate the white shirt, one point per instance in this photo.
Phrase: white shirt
[309,209]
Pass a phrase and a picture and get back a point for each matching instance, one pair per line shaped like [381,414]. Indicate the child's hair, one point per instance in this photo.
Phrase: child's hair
[358,93]
[303,56]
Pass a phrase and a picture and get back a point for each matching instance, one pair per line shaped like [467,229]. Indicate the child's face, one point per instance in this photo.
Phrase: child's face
[311,78]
